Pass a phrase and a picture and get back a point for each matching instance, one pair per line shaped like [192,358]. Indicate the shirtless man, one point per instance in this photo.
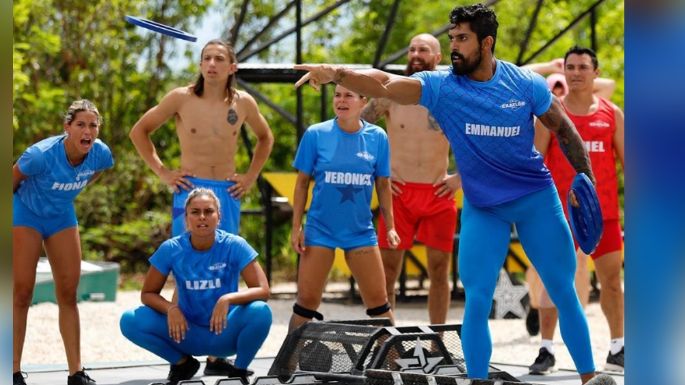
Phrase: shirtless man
[208,116]
[423,192]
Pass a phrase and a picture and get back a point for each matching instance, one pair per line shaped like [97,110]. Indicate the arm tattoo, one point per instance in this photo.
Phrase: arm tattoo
[340,74]
[569,140]
[433,124]
[376,109]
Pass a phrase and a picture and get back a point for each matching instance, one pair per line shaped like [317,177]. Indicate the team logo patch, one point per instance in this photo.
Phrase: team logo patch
[217,266]
[599,124]
[513,104]
[365,155]
[84,174]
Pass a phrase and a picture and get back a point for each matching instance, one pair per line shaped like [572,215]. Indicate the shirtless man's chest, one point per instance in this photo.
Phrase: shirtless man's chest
[208,134]
[419,149]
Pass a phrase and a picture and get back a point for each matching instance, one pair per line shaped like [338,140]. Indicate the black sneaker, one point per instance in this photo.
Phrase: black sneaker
[80,378]
[615,361]
[18,378]
[533,322]
[544,364]
[184,371]
[224,367]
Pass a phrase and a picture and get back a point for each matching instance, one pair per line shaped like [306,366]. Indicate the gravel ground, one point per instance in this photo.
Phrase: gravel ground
[102,341]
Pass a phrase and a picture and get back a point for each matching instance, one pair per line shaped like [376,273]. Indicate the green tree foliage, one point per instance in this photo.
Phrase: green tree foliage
[65,50]
[68,49]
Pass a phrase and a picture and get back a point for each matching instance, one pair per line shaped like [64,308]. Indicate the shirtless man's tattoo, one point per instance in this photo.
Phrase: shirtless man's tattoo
[375,109]
[232,117]
[433,124]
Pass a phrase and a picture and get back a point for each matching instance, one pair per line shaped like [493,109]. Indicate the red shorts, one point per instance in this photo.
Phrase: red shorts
[611,239]
[419,212]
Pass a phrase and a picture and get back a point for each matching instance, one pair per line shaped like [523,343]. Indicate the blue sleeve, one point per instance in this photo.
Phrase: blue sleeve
[542,96]
[383,156]
[106,159]
[32,161]
[162,258]
[305,158]
[430,86]
[242,253]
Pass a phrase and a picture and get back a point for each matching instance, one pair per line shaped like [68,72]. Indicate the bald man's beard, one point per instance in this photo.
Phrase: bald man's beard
[417,65]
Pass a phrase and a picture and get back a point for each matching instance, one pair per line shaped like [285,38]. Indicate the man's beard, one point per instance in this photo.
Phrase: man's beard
[465,67]
[417,65]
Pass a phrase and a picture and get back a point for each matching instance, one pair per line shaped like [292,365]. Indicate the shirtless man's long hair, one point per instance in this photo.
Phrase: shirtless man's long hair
[199,86]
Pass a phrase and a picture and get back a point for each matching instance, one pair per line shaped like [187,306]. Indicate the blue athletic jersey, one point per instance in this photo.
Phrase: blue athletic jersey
[203,276]
[53,183]
[490,128]
[344,167]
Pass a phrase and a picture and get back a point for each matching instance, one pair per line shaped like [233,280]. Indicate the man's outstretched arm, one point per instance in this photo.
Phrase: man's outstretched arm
[400,89]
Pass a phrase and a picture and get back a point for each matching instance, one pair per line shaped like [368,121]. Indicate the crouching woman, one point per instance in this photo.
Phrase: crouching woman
[212,316]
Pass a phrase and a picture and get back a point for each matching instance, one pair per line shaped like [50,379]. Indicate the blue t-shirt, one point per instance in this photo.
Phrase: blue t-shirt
[53,183]
[344,167]
[203,276]
[491,129]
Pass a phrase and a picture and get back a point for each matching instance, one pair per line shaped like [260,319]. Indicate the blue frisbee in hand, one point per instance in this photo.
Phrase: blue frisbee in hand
[586,220]
[160,28]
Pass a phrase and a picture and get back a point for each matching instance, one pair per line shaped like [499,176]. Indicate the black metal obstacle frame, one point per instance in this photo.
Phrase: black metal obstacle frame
[371,352]
[360,351]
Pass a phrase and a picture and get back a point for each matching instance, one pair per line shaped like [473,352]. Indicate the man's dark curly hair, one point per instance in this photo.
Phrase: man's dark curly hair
[482,20]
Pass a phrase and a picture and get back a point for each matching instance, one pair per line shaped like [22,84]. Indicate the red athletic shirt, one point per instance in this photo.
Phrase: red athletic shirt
[597,130]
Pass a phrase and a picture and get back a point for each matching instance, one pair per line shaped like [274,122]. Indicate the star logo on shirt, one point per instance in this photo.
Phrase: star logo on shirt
[348,193]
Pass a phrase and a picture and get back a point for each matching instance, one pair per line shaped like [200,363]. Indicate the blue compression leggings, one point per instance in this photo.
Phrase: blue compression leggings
[546,239]
[248,326]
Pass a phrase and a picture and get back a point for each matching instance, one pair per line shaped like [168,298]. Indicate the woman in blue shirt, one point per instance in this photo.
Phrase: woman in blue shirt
[345,157]
[212,317]
[45,180]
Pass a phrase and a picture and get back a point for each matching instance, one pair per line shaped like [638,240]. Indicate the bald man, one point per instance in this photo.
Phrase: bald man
[423,191]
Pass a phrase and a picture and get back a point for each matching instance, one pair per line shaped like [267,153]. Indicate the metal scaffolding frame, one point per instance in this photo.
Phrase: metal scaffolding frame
[251,73]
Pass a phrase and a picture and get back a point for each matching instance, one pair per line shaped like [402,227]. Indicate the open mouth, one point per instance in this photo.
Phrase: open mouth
[86,142]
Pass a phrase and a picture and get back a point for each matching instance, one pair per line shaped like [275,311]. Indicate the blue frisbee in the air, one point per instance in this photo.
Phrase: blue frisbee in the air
[586,220]
[161,28]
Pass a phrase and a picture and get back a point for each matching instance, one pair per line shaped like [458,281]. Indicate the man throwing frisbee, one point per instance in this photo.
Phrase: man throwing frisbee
[486,108]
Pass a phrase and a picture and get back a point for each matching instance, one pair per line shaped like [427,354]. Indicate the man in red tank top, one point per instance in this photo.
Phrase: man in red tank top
[600,123]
